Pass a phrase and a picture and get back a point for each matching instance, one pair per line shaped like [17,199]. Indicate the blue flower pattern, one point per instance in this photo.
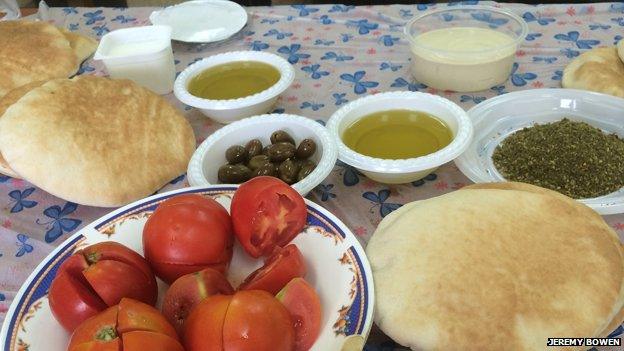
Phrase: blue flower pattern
[314,71]
[20,201]
[359,86]
[379,199]
[574,37]
[331,55]
[411,86]
[23,247]
[278,35]
[339,98]
[58,223]
[311,105]
[363,26]
[292,53]
[520,79]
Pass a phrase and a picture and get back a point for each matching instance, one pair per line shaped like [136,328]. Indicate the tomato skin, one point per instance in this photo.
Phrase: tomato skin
[96,277]
[279,269]
[203,329]
[205,202]
[257,321]
[114,345]
[188,291]
[145,340]
[304,305]
[134,315]
[184,237]
[266,213]
[250,320]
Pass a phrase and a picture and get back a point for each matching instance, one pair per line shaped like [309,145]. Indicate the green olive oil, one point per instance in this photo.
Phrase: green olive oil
[233,80]
[397,134]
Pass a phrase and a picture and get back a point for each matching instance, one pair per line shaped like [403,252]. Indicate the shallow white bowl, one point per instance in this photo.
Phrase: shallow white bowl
[210,155]
[227,111]
[403,170]
[495,119]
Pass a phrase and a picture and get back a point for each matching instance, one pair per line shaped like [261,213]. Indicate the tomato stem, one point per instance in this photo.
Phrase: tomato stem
[106,334]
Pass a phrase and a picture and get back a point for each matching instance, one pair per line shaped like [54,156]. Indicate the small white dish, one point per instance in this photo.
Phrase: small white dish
[210,155]
[227,111]
[142,54]
[497,118]
[202,21]
[337,268]
[403,170]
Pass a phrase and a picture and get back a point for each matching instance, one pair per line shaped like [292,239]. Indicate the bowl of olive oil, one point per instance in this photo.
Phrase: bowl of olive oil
[234,85]
[400,137]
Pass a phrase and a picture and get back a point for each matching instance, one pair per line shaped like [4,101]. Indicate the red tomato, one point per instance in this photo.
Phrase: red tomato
[266,213]
[186,234]
[189,290]
[251,320]
[304,306]
[129,326]
[280,268]
[96,277]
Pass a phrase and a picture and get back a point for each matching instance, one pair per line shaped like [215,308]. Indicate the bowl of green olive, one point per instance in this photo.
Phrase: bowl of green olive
[295,149]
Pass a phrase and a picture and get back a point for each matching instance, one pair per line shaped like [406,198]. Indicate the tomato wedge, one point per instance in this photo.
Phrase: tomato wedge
[304,305]
[279,269]
[266,213]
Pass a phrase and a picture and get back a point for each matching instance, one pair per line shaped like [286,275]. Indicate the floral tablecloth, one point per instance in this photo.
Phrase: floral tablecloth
[340,53]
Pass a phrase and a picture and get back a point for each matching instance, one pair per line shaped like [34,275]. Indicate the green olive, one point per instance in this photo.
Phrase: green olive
[281,151]
[306,168]
[258,161]
[254,148]
[288,171]
[267,169]
[236,154]
[306,148]
[265,150]
[280,136]
[234,174]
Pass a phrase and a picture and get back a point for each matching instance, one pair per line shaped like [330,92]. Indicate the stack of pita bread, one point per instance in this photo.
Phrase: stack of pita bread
[38,51]
[600,70]
[90,140]
[500,266]
[93,140]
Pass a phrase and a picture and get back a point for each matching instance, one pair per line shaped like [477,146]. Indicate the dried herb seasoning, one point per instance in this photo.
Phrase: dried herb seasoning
[573,158]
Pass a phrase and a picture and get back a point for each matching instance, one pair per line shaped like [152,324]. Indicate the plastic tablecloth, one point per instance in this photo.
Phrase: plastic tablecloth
[340,53]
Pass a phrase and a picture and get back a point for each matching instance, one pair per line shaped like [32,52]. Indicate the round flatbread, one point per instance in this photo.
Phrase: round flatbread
[599,70]
[82,46]
[96,141]
[492,269]
[33,51]
[620,50]
[5,102]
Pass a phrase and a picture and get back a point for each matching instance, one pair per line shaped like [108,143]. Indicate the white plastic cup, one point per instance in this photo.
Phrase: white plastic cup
[142,54]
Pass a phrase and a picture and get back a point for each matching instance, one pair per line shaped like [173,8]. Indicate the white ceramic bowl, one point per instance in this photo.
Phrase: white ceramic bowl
[404,170]
[227,111]
[210,155]
[495,119]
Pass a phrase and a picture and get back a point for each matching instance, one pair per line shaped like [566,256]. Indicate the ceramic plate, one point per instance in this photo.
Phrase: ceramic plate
[337,268]
[497,118]
[202,21]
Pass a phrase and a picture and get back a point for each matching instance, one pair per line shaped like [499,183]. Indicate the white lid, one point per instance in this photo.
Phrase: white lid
[202,21]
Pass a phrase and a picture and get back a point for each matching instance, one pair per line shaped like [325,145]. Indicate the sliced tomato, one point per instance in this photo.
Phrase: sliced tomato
[149,341]
[96,277]
[279,269]
[304,305]
[113,345]
[267,213]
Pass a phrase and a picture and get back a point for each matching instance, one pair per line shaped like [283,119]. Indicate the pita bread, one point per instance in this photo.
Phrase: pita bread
[5,102]
[620,50]
[82,46]
[599,70]
[96,141]
[491,269]
[33,51]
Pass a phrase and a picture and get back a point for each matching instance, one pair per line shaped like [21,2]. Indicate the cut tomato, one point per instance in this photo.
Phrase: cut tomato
[267,213]
[279,269]
[304,305]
